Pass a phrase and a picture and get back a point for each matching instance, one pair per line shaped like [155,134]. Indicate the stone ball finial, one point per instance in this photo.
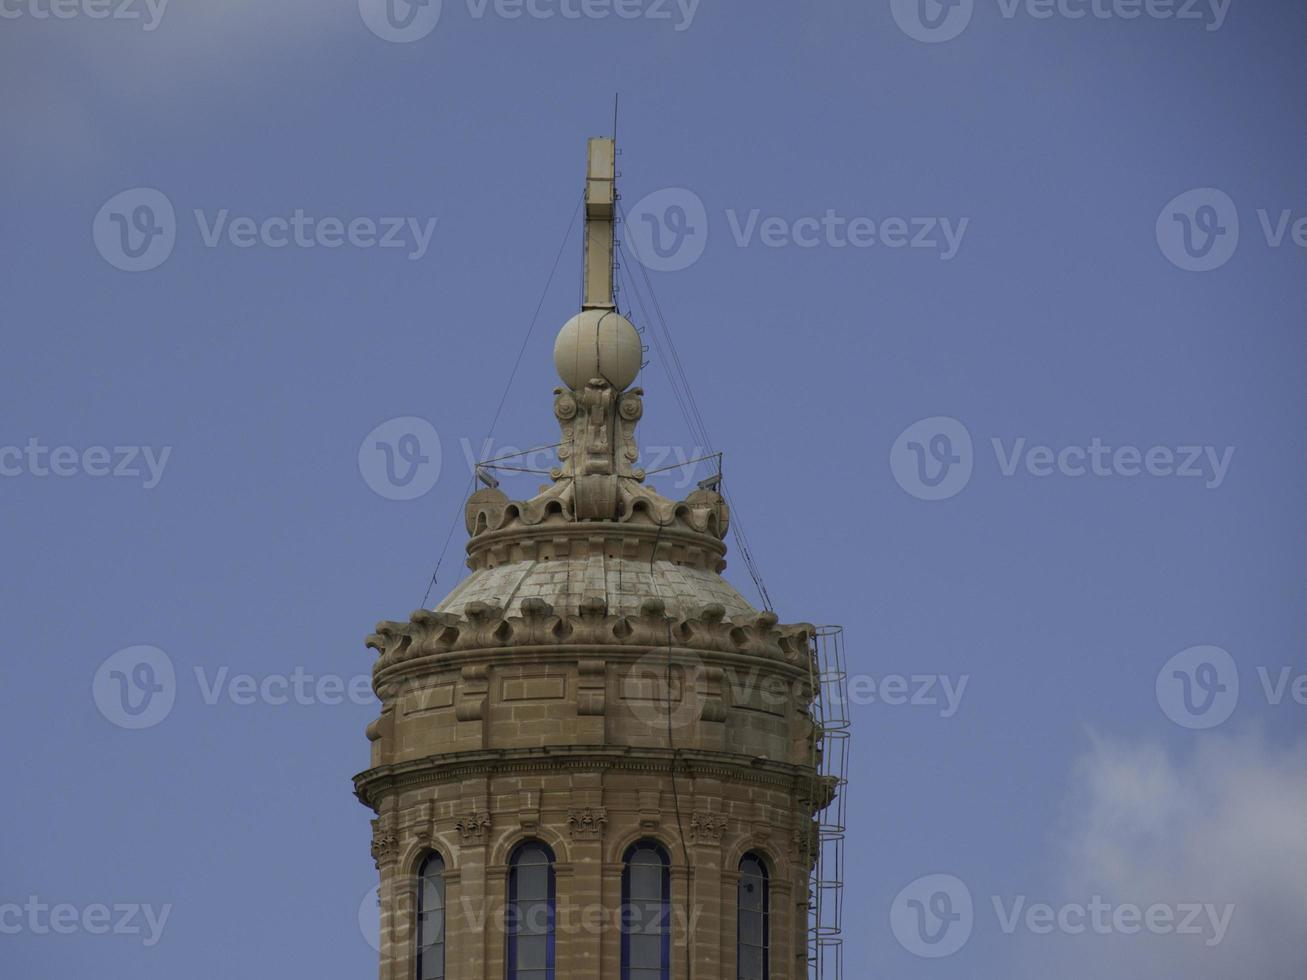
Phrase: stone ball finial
[598,344]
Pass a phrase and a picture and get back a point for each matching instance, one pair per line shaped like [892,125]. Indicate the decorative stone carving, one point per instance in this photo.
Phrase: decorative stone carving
[385,844]
[488,627]
[528,811]
[587,823]
[805,838]
[707,827]
[421,826]
[474,826]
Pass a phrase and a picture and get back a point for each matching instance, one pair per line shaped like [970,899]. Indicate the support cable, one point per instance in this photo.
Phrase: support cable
[503,398]
[684,394]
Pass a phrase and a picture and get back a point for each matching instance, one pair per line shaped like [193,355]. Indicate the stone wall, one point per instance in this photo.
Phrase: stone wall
[564,728]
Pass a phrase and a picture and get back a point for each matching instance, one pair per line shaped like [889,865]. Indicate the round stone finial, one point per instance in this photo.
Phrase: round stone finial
[597,344]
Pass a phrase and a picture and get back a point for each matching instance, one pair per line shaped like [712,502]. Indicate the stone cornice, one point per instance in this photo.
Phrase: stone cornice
[374,784]
[487,628]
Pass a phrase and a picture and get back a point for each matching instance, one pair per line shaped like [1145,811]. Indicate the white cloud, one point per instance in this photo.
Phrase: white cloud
[1227,824]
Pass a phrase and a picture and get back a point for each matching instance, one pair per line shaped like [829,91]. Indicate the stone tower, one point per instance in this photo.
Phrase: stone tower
[594,759]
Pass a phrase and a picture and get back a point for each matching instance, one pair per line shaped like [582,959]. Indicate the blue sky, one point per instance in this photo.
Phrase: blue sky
[1073,186]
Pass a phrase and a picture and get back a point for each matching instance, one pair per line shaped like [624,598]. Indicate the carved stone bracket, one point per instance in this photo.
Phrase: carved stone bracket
[385,843]
[651,814]
[528,810]
[587,823]
[707,827]
[474,826]
[421,826]
[472,700]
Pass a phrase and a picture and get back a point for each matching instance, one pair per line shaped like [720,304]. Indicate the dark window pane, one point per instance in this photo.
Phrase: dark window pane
[646,952]
[532,952]
[750,967]
[431,919]
[431,929]
[649,917]
[751,929]
[646,882]
[433,893]
[532,882]
[751,919]
[433,963]
[645,919]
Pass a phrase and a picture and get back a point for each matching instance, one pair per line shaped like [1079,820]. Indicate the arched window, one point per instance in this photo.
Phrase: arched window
[531,913]
[752,928]
[646,913]
[431,919]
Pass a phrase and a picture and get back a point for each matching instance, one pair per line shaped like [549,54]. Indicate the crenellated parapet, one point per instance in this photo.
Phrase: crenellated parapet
[485,627]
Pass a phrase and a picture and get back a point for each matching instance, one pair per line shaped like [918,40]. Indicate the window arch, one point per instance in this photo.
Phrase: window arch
[531,912]
[431,919]
[753,930]
[646,913]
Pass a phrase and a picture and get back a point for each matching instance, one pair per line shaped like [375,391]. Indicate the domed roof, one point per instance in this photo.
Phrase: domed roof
[623,583]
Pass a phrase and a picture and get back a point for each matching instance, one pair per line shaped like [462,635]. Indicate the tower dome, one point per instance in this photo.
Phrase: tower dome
[594,721]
